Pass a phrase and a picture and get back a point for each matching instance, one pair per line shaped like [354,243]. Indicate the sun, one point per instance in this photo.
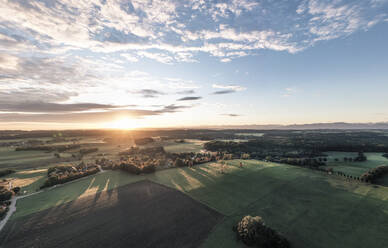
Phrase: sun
[123,123]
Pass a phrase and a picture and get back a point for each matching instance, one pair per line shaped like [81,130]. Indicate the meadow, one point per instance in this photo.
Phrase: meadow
[309,207]
[141,214]
[354,168]
[11,159]
[174,146]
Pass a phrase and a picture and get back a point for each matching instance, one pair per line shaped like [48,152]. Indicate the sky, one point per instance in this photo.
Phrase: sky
[161,63]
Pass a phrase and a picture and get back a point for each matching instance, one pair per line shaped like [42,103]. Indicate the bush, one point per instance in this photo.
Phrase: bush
[88,150]
[179,162]
[5,195]
[6,172]
[253,232]
[148,168]
[143,141]
[63,174]
[16,190]
[131,168]
[374,173]
[3,211]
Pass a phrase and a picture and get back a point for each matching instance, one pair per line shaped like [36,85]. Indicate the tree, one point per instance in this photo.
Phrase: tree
[16,190]
[179,162]
[253,232]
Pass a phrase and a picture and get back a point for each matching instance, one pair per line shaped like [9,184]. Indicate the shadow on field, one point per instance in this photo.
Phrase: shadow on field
[142,214]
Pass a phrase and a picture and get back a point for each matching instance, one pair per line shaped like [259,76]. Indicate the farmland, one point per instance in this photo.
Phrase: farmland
[310,208]
[355,168]
[306,206]
[164,218]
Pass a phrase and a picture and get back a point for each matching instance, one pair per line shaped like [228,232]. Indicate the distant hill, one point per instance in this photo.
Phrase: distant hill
[313,126]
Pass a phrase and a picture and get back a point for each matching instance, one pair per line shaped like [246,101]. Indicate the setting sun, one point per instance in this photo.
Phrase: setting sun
[124,123]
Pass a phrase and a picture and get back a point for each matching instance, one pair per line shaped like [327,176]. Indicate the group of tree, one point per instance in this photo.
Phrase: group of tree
[303,162]
[147,160]
[149,150]
[5,197]
[48,148]
[135,169]
[375,173]
[311,144]
[85,151]
[253,232]
[144,141]
[6,172]
[65,173]
[360,158]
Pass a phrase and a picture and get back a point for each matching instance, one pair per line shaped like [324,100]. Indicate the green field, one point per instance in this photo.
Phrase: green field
[250,134]
[9,158]
[29,180]
[189,145]
[354,168]
[72,191]
[310,208]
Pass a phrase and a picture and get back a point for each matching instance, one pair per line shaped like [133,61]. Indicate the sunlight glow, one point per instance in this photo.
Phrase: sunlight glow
[123,123]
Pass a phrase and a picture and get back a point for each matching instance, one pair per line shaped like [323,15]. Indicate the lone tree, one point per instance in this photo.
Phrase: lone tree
[253,232]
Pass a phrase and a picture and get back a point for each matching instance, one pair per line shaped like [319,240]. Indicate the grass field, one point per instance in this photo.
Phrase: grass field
[311,209]
[142,214]
[189,145]
[73,191]
[28,180]
[354,168]
[9,158]
[250,134]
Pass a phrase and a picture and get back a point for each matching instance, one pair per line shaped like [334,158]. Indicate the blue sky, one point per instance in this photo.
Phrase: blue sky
[112,63]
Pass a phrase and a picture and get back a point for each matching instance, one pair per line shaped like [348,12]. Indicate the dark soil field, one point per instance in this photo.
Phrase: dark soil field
[142,214]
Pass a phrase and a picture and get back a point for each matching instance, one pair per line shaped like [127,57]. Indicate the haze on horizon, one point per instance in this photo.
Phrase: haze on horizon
[128,64]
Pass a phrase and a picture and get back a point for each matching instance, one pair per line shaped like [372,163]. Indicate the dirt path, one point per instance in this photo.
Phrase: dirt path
[99,167]
[12,208]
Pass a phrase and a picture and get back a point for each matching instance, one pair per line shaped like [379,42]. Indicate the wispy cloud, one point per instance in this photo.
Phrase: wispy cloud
[189,98]
[231,115]
[62,55]
[149,93]
[289,92]
[186,92]
[39,106]
[79,117]
[171,31]
[227,89]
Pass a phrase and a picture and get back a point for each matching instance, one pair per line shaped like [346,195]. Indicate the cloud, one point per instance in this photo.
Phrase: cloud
[29,106]
[231,115]
[149,93]
[101,116]
[189,98]
[186,92]
[10,94]
[289,92]
[170,31]
[222,92]
[227,89]
[45,70]
[129,57]
[160,57]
